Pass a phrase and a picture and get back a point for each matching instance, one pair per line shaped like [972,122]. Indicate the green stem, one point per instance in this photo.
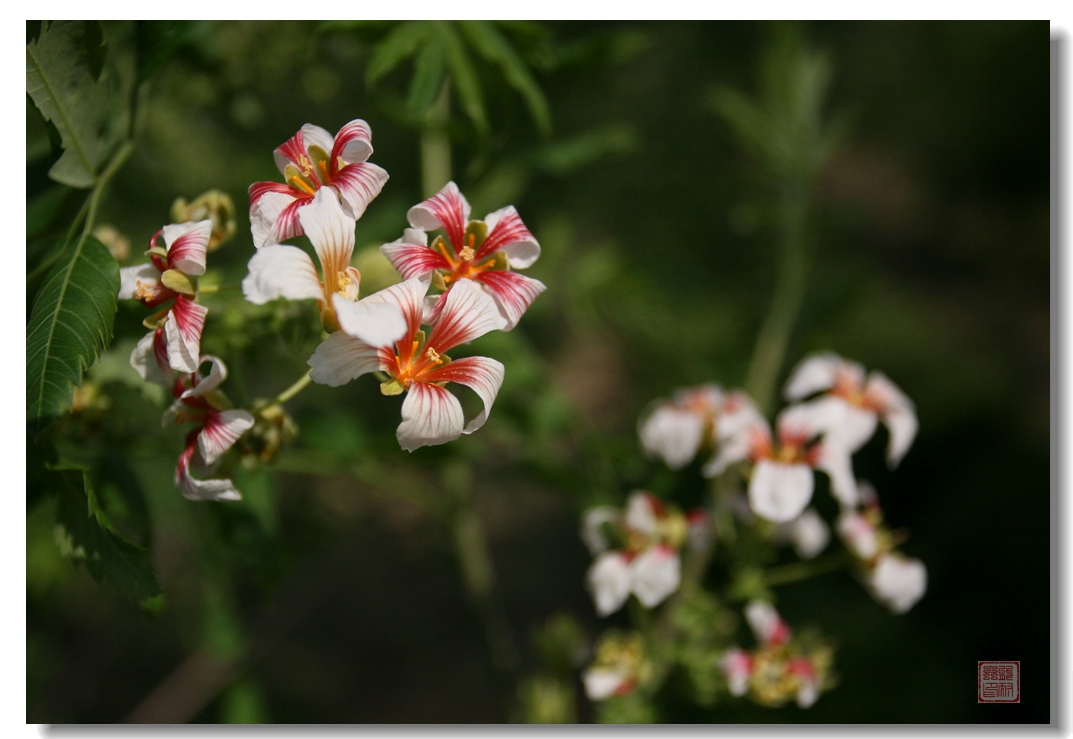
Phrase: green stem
[114,166]
[202,289]
[797,571]
[294,389]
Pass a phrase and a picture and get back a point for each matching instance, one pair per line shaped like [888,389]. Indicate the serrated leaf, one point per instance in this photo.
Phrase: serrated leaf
[401,43]
[82,533]
[491,45]
[464,76]
[429,73]
[62,86]
[71,322]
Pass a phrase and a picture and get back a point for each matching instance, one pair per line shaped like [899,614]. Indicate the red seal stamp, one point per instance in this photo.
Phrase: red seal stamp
[998,682]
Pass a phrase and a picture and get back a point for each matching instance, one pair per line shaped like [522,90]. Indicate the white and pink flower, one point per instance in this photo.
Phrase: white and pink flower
[175,341]
[282,271]
[782,482]
[485,251]
[310,161]
[897,581]
[417,365]
[851,406]
[198,400]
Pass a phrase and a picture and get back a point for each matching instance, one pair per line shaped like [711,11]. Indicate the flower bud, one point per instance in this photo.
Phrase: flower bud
[214,205]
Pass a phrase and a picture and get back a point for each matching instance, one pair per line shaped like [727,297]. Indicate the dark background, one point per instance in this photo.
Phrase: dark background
[931,263]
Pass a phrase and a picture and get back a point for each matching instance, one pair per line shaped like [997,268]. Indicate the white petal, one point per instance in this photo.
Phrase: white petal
[449,204]
[376,322]
[809,534]
[898,581]
[737,448]
[430,416]
[840,422]
[766,623]
[188,246]
[265,216]
[195,489]
[673,434]
[838,465]
[608,579]
[737,413]
[409,296]
[313,135]
[858,534]
[482,375]
[278,271]
[183,329]
[808,693]
[144,360]
[897,412]
[468,313]
[341,358]
[738,666]
[592,523]
[221,431]
[601,682]
[129,277]
[654,575]
[819,372]
[217,374]
[779,492]
[641,513]
[521,251]
[330,230]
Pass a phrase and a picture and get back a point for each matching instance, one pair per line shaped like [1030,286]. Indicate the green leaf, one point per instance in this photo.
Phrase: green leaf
[61,83]
[464,76]
[401,43]
[491,45]
[71,322]
[429,74]
[157,41]
[83,534]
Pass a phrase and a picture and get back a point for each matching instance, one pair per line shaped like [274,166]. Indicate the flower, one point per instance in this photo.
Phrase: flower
[898,581]
[676,430]
[851,408]
[620,666]
[280,271]
[312,160]
[484,251]
[215,205]
[646,562]
[417,365]
[808,533]
[781,483]
[198,400]
[170,275]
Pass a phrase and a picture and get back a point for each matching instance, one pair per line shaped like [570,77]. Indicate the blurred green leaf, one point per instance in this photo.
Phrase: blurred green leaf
[71,322]
[122,497]
[429,74]
[491,45]
[157,41]
[464,76]
[63,86]
[41,212]
[563,157]
[400,43]
[82,533]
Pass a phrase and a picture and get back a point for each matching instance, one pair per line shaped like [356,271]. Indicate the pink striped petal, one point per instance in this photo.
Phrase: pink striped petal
[430,416]
[274,218]
[206,384]
[513,292]
[413,260]
[468,312]
[222,429]
[290,151]
[341,358]
[279,271]
[409,296]
[260,189]
[507,233]
[150,359]
[358,184]
[447,209]
[195,489]
[188,244]
[331,231]
[314,135]
[183,328]
[354,143]
[482,375]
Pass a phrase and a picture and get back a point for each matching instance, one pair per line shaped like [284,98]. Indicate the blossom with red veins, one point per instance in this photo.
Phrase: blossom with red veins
[676,430]
[417,364]
[197,400]
[310,161]
[641,557]
[781,482]
[281,271]
[851,405]
[485,251]
[171,274]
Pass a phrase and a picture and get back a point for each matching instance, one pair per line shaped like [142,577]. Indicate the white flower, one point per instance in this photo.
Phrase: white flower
[766,623]
[808,533]
[898,581]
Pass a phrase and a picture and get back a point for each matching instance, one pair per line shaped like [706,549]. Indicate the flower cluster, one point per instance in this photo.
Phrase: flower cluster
[782,667]
[620,666]
[636,552]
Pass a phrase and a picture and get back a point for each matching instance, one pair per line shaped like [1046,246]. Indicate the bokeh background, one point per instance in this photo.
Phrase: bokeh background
[337,590]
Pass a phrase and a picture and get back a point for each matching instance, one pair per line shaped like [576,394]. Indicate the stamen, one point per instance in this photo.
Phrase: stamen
[324,176]
[305,164]
[343,281]
[142,291]
[467,252]
[300,184]
[433,356]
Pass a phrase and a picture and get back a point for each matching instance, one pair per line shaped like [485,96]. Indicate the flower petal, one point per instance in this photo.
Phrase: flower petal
[259,189]
[314,135]
[221,430]
[331,231]
[291,151]
[809,534]
[359,184]
[898,414]
[430,416]
[341,358]
[378,323]
[841,423]
[817,372]
[183,327]
[655,574]
[778,491]
[274,218]
[513,292]
[188,244]
[447,209]
[354,142]
[641,513]
[673,434]
[602,682]
[413,260]
[838,465]
[150,359]
[743,445]
[206,384]
[592,523]
[858,534]
[482,375]
[766,623]
[738,667]
[409,296]
[608,580]
[508,234]
[468,312]
[129,278]
[194,489]
[737,413]
[898,581]
[278,271]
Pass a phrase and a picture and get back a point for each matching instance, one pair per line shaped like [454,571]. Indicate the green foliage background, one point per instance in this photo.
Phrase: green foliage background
[331,593]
